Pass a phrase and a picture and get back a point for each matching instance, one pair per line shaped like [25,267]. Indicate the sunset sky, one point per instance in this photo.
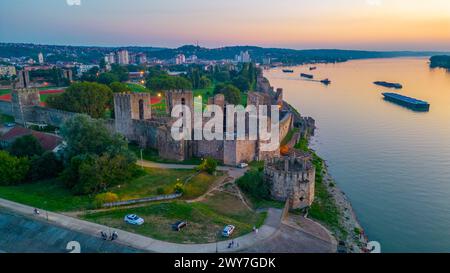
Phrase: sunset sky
[300,24]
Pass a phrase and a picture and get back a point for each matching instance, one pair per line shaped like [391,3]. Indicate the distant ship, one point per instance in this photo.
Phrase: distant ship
[312,68]
[288,71]
[412,103]
[326,81]
[389,84]
[308,76]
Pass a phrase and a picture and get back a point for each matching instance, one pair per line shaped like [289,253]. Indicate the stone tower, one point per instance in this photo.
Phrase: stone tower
[291,177]
[179,97]
[21,99]
[129,107]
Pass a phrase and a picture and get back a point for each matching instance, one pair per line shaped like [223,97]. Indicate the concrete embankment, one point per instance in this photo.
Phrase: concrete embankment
[21,234]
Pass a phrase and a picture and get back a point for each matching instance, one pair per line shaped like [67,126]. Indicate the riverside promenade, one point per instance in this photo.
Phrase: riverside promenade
[142,243]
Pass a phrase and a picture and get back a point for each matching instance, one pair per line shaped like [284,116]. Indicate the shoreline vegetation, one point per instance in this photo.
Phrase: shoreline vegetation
[440,61]
[331,206]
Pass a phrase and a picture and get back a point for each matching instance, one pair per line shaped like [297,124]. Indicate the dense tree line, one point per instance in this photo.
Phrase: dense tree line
[85,97]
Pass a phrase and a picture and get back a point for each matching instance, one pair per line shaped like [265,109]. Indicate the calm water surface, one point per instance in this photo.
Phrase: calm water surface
[393,163]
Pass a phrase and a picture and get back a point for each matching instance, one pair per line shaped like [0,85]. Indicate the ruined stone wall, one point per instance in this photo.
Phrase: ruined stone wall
[237,151]
[213,148]
[286,124]
[169,148]
[49,116]
[291,178]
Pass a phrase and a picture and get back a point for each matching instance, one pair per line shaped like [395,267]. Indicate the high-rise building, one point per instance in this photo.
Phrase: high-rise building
[110,58]
[243,57]
[41,58]
[123,57]
[141,58]
[180,59]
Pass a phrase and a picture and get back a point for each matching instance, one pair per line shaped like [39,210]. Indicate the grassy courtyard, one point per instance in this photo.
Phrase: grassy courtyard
[52,195]
[205,219]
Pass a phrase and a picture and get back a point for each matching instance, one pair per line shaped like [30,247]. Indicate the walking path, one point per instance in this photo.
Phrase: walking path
[148,244]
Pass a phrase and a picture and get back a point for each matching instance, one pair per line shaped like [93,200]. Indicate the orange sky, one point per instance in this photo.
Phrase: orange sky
[363,24]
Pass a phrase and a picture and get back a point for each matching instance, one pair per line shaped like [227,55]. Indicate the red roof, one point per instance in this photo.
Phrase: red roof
[47,141]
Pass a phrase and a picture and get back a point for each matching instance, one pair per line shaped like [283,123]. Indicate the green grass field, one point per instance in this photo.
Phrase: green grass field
[52,195]
[205,219]
[49,195]
[163,181]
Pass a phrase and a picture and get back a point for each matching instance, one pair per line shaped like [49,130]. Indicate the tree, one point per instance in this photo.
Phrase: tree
[107,78]
[120,71]
[45,166]
[13,170]
[86,97]
[208,165]
[242,83]
[164,82]
[205,82]
[95,159]
[85,135]
[222,76]
[26,146]
[232,94]
[119,87]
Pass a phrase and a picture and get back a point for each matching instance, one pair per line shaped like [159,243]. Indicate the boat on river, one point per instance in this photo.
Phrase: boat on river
[412,103]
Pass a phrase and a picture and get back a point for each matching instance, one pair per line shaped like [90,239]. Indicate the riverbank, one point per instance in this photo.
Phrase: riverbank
[331,207]
[355,239]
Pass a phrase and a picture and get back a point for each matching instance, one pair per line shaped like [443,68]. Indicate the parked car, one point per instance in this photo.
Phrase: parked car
[9,124]
[242,165]
[228,230]
[133,219]
[179,225]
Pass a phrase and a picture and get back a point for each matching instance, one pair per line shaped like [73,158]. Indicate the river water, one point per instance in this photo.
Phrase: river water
[392,163]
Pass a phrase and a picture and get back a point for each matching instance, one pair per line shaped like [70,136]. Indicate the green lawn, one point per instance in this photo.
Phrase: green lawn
[205,219]
[163,181]
[5,91]
[48,195]
[137,88]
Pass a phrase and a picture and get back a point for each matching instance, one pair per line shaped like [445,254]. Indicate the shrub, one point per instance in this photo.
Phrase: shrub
[13,170]
[253,184]
[179,188]
[160,191]
[208,165]
[107,197]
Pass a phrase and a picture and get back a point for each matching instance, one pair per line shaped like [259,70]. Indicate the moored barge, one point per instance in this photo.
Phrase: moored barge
[412,103]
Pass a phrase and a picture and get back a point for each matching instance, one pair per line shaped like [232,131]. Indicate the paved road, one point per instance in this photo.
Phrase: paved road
[232,171]
[143,243]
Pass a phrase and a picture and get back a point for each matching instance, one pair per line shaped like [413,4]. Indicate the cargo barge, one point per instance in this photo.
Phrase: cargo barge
[412,103]
[308,76]
[389,84]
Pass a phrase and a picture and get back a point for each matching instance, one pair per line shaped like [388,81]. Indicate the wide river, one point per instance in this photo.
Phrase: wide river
[392,163]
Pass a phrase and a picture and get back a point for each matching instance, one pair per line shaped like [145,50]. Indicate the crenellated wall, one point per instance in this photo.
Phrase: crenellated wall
[291,178]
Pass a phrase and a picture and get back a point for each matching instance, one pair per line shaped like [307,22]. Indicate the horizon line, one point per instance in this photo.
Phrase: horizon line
[224,46]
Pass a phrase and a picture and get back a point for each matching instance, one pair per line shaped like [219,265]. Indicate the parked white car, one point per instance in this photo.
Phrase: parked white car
[242,165]
[228,230]
[133,219]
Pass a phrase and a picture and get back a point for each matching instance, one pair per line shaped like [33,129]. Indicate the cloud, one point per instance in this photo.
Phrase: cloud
[374,2]
[73,2]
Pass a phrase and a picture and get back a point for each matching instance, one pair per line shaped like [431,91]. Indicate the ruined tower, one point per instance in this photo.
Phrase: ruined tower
[21,99]
[291,178]
[129,107]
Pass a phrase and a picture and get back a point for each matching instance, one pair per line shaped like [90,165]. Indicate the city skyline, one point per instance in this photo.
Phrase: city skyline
[349,24]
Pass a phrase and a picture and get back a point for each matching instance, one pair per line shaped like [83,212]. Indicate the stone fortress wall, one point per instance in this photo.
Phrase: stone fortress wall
[134,119]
